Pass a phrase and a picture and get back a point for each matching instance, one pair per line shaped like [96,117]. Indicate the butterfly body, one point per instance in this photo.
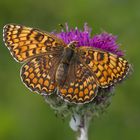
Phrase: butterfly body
[50,64]
[62,70]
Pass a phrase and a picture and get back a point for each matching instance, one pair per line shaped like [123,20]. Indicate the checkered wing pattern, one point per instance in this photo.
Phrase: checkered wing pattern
[38,74]
[80,85]
[107,68]
[25,42]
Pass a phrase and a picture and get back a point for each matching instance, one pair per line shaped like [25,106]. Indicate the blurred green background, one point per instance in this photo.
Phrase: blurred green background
[26,116]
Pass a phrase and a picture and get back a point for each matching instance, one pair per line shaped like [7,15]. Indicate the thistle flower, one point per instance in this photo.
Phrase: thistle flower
[105,41]
[82,114]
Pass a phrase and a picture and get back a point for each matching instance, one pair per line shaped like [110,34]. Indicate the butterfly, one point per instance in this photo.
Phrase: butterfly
[53,67]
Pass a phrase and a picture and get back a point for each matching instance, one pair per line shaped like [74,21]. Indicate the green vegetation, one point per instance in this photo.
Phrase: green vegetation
[26,116]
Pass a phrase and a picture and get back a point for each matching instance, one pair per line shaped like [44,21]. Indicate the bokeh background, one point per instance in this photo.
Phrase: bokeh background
[26,116]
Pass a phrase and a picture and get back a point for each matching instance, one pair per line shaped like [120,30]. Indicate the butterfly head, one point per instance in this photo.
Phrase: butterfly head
[73,44]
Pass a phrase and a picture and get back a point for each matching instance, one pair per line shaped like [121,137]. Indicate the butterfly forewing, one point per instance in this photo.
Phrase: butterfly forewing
[107,68]
[25,42]
[39,73]
[80,85]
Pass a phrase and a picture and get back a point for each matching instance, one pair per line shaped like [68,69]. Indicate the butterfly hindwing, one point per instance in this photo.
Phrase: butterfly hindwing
[38,74]
[107,68]
[80,85]
[25,42]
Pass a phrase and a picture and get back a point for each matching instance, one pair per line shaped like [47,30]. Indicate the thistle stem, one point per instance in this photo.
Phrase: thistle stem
[80,125]
[83,130]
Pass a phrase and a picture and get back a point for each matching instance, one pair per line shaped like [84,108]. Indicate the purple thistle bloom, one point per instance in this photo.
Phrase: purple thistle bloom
[104,41]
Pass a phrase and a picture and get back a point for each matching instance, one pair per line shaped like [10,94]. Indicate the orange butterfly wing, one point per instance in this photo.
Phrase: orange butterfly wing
[107,68]
[80,85]
[38,74]
[25,42]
